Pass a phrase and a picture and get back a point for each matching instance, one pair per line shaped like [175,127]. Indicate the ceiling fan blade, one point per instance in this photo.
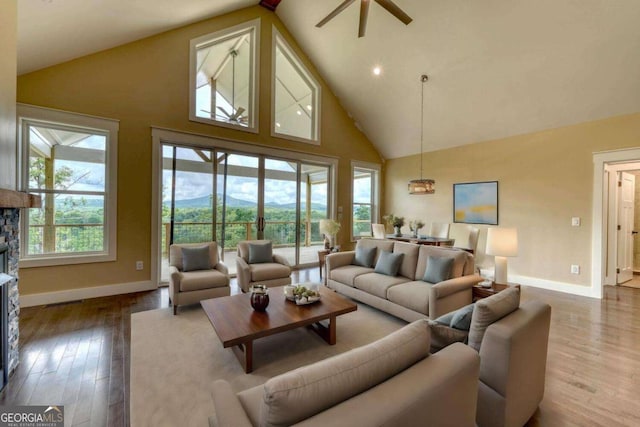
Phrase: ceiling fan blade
[364,14]
[224,111]
[395,11]
[336,11]
[239,112]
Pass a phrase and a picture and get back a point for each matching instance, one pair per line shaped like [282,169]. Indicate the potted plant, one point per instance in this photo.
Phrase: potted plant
[414,226]
[329,228]
[396,222]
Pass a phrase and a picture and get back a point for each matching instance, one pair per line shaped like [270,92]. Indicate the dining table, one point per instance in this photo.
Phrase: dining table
[422,239]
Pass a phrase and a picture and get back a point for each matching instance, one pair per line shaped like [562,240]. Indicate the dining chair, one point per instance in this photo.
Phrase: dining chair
[378,231]
[439,229]
[465,236]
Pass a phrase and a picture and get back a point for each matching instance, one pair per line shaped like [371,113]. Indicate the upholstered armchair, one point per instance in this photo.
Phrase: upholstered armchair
[256,263]
[196,273]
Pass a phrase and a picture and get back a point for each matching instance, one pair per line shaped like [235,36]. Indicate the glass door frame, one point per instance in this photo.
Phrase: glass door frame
[161,137]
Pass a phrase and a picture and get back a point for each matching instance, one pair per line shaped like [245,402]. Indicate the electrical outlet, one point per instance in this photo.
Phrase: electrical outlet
[139,265]
[575,269]
[575,221]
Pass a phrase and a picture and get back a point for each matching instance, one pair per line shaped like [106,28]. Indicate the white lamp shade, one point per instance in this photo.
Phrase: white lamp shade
[502,242]
[324,224]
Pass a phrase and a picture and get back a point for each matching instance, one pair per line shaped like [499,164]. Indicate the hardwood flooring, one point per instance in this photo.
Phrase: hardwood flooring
[77,354]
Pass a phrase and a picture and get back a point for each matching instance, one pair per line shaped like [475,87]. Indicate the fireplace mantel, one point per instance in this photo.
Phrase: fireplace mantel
[18,199]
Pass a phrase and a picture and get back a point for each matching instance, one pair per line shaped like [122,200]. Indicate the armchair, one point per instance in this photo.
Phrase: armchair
[195,285]
[274,273]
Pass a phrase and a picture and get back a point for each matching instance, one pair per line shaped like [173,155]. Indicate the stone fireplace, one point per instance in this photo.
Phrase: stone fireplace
[10,204]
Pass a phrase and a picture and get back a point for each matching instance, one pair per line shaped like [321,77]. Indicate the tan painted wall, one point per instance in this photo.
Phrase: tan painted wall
[8,67]
[145,84]
[545,178]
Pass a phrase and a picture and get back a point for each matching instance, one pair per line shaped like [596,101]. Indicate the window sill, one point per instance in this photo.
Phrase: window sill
[65,260]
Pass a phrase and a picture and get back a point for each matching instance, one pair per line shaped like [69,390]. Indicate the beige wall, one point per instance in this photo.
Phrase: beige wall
[8,67]
[145,84]
[545,178]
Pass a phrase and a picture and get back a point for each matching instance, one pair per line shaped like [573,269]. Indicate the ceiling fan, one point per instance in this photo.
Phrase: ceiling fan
[236,116]
[389,5]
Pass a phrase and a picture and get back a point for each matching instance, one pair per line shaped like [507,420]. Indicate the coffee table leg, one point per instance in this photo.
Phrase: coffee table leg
[327,333]
[244,353]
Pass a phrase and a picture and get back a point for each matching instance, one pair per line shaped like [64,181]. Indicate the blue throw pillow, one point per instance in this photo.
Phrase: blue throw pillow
[196,258]
[462,318]
[260,253]
[438,269]
[365,256]
[389,263]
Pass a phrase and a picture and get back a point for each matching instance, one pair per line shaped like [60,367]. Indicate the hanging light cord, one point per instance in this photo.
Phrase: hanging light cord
[424,79]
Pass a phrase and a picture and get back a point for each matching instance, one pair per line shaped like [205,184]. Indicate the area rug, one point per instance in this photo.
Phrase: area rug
[175,360]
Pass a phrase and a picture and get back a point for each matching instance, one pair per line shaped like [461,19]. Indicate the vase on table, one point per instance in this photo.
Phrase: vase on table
[398,233]
[259,297]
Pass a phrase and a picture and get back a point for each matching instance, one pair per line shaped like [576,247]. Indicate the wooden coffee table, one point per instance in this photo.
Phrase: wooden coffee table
[238,325]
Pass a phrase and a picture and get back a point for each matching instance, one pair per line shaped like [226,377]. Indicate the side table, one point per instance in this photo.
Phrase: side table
[321,261]
[480,292]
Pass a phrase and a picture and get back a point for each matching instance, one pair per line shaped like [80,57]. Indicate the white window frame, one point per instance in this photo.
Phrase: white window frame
[375,193]
[279,41]
[33,115]
[209,39]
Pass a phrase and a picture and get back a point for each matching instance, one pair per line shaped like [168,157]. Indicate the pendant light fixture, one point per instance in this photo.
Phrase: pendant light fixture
[422,185]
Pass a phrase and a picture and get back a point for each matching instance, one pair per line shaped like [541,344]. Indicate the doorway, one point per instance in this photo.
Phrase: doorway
[229,195]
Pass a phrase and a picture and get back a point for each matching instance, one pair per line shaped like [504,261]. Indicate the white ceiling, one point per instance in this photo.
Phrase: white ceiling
[496,67]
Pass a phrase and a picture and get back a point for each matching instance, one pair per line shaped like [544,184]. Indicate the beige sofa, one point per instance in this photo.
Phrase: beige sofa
[405,296]
[391,382]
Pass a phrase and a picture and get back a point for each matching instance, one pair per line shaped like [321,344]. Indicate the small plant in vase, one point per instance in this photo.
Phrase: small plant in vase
[415,226]
[396,222]
[329,228]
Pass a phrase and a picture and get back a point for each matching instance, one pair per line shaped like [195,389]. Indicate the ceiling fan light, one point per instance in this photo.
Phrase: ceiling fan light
[422,186]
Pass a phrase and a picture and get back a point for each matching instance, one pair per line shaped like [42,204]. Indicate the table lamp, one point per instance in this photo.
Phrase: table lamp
[502,243]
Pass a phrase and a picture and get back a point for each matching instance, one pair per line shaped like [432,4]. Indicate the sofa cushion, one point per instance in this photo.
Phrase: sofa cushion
[202,279]
[196,258]
[409,260]
[389,263]
[459,259]
[260,253]
[299,394]
[380,245]
[377,284]
[412,295]
[489,310]
[438,269]
[365,256]
[348,273]
[175,253]
[443,335]
[268,271]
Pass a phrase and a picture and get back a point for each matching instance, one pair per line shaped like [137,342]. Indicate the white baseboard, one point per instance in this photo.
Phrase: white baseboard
[30,300]
[552,285]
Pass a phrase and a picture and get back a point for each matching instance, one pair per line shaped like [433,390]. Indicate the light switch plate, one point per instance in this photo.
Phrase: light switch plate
[575,221]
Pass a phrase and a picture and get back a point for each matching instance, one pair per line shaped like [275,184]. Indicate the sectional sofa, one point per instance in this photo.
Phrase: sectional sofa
[404,295]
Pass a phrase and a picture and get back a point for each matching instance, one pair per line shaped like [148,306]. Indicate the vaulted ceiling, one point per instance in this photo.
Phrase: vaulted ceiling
[496,67]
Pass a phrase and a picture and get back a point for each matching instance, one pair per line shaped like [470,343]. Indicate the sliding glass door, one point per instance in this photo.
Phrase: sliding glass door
[228,196]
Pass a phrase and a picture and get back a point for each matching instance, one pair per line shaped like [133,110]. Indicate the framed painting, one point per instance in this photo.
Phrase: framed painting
[476,202]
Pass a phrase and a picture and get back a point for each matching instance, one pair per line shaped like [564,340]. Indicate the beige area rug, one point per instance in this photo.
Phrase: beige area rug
[175,359]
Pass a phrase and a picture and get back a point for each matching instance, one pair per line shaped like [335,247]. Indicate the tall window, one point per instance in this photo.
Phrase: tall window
[224,77]
[365,196]
[69,161]
[295,96]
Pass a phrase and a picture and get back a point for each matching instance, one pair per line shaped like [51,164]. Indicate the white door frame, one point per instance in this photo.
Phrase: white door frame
[601,160]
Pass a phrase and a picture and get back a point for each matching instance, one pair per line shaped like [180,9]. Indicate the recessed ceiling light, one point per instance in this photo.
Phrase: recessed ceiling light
[299,112]
[377,71]
[277,124]
[309,107]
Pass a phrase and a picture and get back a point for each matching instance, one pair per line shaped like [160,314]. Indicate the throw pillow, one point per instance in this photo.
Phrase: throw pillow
[490,310]
[462,318]
[260,253]
[365,256]
[388,263]
[196,258]
[438,269]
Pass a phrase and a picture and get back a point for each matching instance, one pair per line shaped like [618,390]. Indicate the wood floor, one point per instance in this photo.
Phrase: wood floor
[77,354]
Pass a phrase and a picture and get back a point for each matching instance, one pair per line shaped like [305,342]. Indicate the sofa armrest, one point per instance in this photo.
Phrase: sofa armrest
[175,276]
[280,260]
[222,268]
[243,274]
[451,295]
[339,259]
[229,410]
